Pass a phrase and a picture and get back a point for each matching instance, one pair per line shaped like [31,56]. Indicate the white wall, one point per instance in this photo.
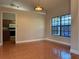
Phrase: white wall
[60,10]
[29,25]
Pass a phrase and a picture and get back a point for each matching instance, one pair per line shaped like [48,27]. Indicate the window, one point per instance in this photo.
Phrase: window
[61,25]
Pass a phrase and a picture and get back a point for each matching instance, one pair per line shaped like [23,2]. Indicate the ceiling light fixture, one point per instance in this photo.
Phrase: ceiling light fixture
[38,7]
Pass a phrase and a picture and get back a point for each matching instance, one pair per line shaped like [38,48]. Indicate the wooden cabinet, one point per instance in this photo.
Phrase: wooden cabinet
[6,29]
[6,35]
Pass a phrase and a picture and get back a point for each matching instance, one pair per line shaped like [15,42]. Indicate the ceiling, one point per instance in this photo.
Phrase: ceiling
[48,5]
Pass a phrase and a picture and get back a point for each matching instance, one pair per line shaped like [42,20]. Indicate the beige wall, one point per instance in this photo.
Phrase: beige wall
[75,25]
[29,25]
[57,11]
[0,27]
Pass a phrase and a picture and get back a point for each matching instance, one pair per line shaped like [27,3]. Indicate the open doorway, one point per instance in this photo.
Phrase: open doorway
[8,25]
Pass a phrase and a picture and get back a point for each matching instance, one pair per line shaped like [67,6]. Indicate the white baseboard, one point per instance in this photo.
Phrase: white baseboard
[74,51]
[33,40]
[58,42]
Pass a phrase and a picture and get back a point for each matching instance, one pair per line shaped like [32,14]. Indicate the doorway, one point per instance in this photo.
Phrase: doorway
[9,29]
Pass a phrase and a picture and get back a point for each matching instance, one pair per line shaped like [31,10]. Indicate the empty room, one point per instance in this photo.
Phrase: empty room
[39,29]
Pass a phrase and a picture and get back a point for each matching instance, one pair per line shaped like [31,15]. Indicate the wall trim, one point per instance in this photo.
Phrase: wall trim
[74,51]
[33,40]
[60,42]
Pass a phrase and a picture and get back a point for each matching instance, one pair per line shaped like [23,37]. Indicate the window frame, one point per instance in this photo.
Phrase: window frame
[69,25]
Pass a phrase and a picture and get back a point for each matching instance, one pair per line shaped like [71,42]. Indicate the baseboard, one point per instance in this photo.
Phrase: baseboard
[58,42]
[74,51]
[33,40]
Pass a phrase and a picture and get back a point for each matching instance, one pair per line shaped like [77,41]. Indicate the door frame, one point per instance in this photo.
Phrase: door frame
[2,26]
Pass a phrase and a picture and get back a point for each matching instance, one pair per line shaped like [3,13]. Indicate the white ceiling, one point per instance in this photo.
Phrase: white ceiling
[30,4]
